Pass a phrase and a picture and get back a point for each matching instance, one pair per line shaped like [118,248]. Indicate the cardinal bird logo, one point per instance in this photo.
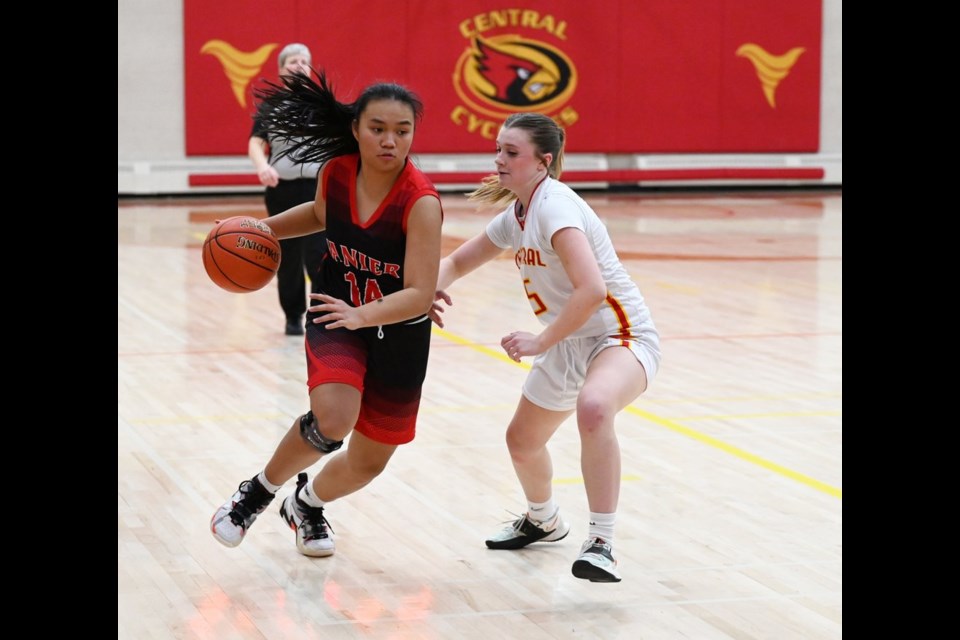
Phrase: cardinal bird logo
[240,67]
[509,75]
[504,74]
[771,69]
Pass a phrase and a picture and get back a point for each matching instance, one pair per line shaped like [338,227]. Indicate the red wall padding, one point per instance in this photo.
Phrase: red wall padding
[658,76]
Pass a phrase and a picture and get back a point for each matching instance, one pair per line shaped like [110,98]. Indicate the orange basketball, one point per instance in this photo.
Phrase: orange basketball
[241,254]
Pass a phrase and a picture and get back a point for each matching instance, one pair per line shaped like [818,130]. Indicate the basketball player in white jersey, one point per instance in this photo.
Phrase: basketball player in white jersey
[598,351]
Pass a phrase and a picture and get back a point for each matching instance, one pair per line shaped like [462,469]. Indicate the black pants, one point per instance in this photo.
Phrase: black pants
[296,254]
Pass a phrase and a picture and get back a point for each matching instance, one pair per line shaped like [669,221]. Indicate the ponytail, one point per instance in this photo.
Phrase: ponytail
[307,114]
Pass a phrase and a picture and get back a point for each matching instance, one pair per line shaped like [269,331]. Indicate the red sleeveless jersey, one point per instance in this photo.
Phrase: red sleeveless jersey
[365,260]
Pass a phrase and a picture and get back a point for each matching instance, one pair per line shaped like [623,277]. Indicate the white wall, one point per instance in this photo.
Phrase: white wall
[151,156]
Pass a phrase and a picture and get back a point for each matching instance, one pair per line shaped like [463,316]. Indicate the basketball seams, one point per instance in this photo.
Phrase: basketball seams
[208,256]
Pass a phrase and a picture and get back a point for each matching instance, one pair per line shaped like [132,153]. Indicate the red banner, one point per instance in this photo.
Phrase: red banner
[658,76]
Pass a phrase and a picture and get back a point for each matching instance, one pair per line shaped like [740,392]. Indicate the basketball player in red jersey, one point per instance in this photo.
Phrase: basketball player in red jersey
[368,331]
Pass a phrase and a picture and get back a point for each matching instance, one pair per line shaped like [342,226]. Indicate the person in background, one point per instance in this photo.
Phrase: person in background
[288,183]
[598,350]
[368,330]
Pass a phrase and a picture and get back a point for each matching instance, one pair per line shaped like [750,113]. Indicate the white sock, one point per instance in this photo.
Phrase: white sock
[542,511]
[601,526]
[269,486]
[307,496]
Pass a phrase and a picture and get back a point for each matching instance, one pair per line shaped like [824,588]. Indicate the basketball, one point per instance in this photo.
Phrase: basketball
[241,254]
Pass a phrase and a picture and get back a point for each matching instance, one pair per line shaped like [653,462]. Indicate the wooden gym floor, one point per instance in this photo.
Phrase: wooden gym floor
[731,517]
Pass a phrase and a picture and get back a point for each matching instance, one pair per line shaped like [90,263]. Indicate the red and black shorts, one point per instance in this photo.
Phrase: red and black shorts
[386,364]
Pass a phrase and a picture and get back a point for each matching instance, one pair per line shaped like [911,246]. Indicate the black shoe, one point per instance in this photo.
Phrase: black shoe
[524,531]
[294,328]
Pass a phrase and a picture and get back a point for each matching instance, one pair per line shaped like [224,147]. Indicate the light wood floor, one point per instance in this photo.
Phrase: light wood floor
[731,517]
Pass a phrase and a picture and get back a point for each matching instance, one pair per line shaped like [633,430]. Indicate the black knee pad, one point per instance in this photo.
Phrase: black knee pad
[311,433]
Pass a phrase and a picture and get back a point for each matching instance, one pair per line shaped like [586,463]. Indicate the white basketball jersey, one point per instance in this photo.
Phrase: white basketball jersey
[555,206]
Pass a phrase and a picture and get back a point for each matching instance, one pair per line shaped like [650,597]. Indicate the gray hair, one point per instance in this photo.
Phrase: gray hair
[293,49]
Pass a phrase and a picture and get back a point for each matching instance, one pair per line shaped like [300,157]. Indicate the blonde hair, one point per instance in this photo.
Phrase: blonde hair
[293,49]
[547,137]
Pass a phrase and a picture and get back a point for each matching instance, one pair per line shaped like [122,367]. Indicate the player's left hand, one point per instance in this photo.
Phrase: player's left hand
[336,312]
[519,344]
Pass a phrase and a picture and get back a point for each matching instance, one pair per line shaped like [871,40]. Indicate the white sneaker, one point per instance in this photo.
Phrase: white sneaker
[230,522]
[524,531]
[313,531]
[596,562]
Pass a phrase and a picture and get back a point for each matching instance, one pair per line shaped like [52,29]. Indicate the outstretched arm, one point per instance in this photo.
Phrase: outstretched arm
[465,258]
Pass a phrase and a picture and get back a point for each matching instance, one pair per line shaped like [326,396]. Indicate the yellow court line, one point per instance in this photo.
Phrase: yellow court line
[669,424]
[496,353]
[738,452]
[768,414]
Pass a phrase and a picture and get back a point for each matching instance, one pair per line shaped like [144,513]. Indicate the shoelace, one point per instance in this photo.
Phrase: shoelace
[516,518]
[314,524]
[241,513]
[526,526]
[516,523]
[312,521]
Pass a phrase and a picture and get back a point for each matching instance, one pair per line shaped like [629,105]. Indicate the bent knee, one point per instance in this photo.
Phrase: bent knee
[336,423]
[594,414]
[522,444]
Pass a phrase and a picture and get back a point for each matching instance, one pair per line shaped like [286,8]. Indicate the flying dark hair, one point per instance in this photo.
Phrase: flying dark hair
[319,127]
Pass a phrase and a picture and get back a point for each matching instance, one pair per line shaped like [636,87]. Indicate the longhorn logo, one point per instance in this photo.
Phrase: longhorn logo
[770,69]
[240,67]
